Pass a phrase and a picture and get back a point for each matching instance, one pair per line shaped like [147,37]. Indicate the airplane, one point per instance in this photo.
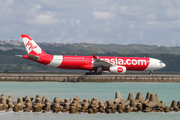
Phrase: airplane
[94,64]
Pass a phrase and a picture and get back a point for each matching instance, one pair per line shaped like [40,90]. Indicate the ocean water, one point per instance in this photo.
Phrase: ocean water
[103,91]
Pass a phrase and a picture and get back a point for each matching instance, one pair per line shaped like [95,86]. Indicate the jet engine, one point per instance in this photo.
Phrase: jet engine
[117,69]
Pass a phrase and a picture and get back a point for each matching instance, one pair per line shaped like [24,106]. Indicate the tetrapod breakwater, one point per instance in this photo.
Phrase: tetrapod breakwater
[75,105]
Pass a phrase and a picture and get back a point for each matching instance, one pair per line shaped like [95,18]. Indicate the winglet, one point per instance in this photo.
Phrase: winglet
[95,57]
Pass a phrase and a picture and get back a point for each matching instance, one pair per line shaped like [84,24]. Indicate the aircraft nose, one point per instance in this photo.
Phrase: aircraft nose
[163,65]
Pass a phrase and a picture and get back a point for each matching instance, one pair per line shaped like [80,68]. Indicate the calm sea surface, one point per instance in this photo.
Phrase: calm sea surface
[103,91]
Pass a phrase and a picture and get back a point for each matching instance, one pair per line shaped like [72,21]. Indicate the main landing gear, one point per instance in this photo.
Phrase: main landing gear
[93,73]
[97,72]
[151,71]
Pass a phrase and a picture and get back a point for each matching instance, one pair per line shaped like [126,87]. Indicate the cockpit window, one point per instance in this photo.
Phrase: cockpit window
[160,61]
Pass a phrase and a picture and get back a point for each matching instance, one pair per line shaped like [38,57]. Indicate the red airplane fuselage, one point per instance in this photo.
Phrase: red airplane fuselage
[91,63]
[86,62]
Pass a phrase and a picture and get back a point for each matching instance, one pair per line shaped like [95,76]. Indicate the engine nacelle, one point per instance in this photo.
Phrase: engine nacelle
[117,69]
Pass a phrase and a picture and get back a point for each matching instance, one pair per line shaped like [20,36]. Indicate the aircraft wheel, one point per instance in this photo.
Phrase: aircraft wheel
[99,73]
[151,71]
[87,73]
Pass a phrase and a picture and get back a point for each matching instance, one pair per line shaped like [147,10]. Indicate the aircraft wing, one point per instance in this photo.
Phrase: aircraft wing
[98,62]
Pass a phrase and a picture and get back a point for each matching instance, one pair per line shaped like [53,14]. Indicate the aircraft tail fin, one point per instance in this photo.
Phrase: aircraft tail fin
[31,46]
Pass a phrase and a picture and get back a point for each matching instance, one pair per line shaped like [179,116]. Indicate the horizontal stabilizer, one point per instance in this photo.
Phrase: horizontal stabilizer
[33,57]
[19,55]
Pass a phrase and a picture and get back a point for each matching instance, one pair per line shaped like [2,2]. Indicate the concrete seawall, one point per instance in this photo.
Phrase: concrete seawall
[88,78]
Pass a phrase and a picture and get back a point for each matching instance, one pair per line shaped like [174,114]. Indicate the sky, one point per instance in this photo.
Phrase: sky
[151,22]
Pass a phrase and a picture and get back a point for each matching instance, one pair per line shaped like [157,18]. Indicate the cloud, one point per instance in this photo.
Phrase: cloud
[173,14]
[78,22]
[95,21]
[5,8]
[47,18]
[103,15]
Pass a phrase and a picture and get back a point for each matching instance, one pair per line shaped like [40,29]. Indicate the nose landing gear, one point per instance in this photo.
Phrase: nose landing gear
[151,71]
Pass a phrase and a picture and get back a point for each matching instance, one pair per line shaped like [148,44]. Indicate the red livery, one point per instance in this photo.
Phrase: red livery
[95,64]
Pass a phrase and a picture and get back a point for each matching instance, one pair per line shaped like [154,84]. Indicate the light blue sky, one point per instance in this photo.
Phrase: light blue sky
[152,22]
